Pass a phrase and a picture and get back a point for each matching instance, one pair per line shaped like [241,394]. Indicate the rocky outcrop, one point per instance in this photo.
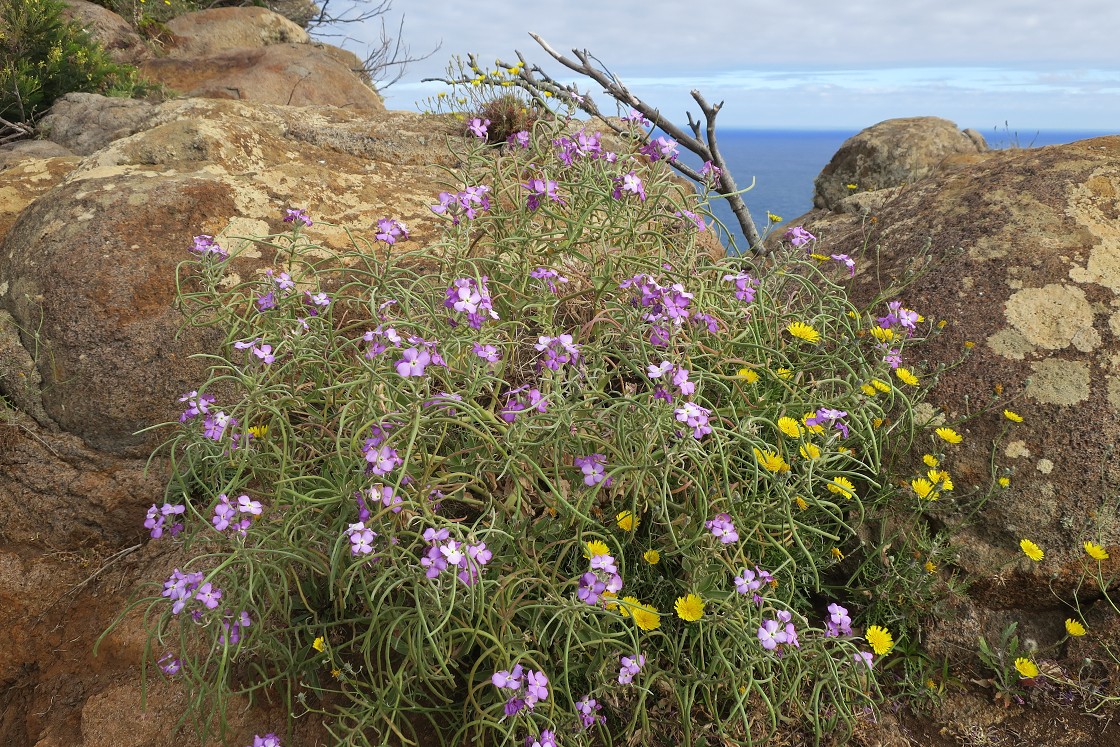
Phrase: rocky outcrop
[113,32]
[891,154]
[208,32]
[1020,253]
[285,74]
[91,268]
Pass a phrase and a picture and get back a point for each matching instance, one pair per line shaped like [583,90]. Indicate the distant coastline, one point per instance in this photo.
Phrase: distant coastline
[784,163]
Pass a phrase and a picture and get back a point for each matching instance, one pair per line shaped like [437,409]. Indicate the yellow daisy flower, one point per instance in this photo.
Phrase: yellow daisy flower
[801,503]
[930,567]
[880,639]
[773,218]
[689,608]
[651,556]
[837,554]
[789,426]
[771,461]
[1095,551]
[882,335]
[1014,417]
[842,486]
[906,377]
[803,331]
[869,390]
[645,616]
[1028,670]
[258,431]
[1074,628]
[882,386]
[627,521]
[1004,482]
[1031,550]
[595,548]
[810,451]
[784,373]
[747,374]
[949,435]
[924,488]
[319,644]
[931,460]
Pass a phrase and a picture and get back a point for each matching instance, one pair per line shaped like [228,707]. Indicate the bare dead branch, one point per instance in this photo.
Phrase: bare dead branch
[702,144]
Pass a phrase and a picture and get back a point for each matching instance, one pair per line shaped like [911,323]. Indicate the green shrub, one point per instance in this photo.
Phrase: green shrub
[43,57]
[430,468]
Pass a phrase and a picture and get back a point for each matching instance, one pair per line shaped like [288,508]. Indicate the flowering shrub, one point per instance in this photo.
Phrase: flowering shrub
[562,477]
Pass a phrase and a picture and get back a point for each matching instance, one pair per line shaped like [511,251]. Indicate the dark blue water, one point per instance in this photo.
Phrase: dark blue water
[784,164]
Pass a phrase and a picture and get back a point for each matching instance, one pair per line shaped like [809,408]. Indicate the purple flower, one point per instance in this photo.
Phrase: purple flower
[723,529]
[197,404]
[478,127]
[711,172]
[831,417]
[546,739]
[214,426]
[838,622]
[513,706]
[293,215]
[170,664]
[590,588]
[510,680]
[413,362]
[467,203]
[593,468]
[630,182]
[558,350]
[696,219]
[361,538]
[488,353]
[536,688]
[266,302]
[892,357]
[387,496]
[629,668]
[637,118]
[695,417]
[711,322]
[283,281]
[540,189]
[208,595]
[744,286]
[851,263]
[248,506]
[660,148]
[770,634]
[224,513]
[863,657]
[204,245]
[318,299]
[381,458]
[798,236]
[157,516]
[390,230]
[471,297]
[547,275]
[749,581]
[264,352]
[231,629]
[268,740]
[588,710]
[519,139]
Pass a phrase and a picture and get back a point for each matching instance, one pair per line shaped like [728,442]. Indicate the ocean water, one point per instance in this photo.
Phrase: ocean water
[784,163]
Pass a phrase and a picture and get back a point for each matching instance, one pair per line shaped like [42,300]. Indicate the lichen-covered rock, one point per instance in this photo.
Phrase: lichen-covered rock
[891,154]
[284,74]
[90,266]
[86,122]
[207,32]
[1020,253]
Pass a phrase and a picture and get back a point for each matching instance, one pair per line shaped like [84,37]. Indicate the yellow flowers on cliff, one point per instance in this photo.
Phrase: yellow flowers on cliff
[1027,669]
[771,461]
[1031,550]
[803,331]
[1095,551]
[949,435]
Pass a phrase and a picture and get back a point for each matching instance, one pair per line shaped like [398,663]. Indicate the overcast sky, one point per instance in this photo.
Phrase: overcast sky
[807,64]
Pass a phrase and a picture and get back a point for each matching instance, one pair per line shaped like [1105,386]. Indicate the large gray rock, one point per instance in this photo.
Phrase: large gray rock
[891,154]
[86,122]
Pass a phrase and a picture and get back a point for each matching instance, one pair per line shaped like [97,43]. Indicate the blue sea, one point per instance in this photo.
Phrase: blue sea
[784,164]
